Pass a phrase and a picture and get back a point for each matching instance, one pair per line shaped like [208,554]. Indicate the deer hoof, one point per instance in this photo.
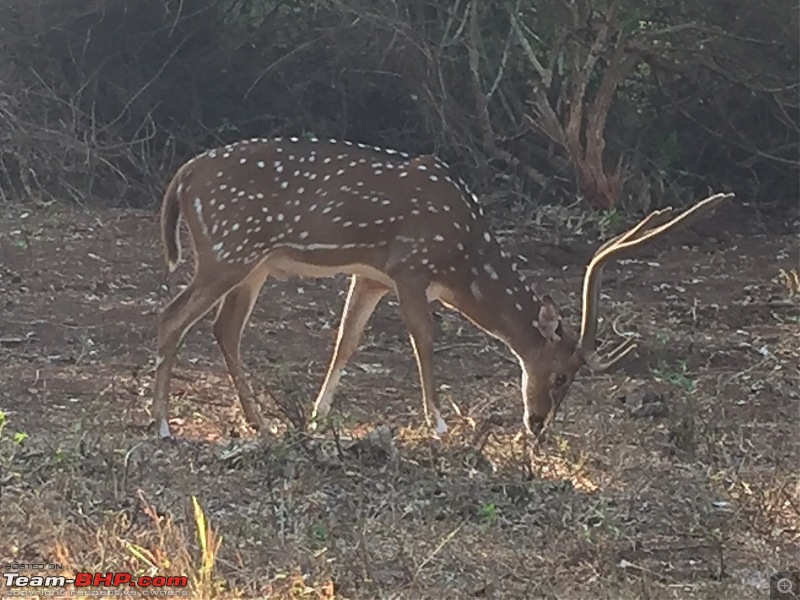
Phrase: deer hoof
[164,432]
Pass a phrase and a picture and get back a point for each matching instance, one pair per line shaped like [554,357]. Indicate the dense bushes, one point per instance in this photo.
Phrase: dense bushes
[617,101]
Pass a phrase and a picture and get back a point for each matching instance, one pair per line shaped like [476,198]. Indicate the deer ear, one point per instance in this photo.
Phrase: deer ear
[549,319]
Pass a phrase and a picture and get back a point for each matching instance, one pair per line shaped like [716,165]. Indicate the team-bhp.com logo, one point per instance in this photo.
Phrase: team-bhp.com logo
[87,584]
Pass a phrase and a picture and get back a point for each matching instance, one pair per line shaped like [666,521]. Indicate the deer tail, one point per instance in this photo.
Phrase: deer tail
[170,219]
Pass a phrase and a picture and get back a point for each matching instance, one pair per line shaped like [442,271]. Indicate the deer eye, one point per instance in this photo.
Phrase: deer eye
[560,380]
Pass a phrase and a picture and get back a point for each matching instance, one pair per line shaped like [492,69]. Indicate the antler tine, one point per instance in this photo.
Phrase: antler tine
[646,231]
[657,215]
[598,365]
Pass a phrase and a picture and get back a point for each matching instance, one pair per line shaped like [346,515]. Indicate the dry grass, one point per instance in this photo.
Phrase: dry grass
[675,478]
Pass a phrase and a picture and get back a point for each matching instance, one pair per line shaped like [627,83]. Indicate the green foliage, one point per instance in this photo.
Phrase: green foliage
[608,221]
[10,446]
[487,513]
[318,533]
[677,374]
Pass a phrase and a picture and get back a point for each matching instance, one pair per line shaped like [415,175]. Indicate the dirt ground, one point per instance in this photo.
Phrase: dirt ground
[674,477]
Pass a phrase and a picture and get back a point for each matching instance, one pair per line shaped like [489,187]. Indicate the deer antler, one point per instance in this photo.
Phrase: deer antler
[646,231]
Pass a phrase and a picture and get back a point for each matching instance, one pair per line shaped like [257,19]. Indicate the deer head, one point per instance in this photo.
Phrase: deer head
[549,369]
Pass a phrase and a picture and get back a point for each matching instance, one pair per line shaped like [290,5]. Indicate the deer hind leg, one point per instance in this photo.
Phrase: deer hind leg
[232,316]
[177,318]
[416,313]
[363,297]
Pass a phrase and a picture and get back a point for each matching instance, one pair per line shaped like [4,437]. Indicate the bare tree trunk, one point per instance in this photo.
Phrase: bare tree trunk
[580,132]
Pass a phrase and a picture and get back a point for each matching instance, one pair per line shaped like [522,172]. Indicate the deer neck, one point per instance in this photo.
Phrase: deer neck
[494,296]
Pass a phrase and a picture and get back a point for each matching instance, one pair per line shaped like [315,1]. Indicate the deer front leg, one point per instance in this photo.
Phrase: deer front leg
[176,320]
[362,298]
[416,313]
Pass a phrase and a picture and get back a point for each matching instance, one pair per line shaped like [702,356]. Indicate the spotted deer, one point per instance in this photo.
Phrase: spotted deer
[394,223]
